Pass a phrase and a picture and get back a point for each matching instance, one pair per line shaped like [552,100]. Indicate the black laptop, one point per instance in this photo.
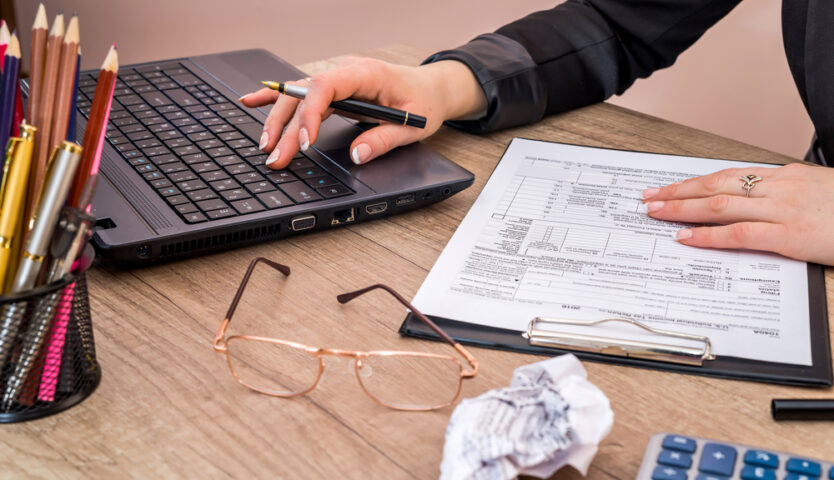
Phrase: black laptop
[182,174]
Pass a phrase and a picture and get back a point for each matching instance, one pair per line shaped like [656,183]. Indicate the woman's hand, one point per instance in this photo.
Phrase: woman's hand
[438,91]
[790,211]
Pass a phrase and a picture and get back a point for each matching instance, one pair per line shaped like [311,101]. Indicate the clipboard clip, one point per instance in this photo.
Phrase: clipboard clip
[619,347]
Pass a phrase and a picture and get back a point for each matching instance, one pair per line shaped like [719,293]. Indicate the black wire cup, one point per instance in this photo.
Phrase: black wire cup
[46,348]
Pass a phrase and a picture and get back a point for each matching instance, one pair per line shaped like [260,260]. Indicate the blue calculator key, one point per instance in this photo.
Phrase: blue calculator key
[831,473]
[803,467]
[796,476]
[668,473]
[752,472]
[709,476]
[675,459]
[718,458]
[681,444]
[761,458]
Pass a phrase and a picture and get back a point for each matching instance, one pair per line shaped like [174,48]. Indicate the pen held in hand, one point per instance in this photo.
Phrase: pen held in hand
[357,107]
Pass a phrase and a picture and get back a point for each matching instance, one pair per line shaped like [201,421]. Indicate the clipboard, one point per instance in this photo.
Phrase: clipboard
[658,356]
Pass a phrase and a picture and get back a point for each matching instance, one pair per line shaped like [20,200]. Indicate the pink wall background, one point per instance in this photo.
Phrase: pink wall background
[734,82]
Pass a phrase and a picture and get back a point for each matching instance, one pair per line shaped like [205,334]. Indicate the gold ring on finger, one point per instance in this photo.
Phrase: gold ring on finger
[748,182]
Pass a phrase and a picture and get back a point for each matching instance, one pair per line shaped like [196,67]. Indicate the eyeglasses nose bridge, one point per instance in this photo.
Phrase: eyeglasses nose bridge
[342,353]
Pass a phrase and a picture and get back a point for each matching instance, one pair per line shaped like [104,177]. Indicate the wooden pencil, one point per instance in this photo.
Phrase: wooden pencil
[36,60]
[64,91]
[43,114]
[5,38]
[73,113]
[96,126]
[8,90]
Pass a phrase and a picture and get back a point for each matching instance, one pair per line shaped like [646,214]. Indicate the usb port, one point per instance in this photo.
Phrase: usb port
[304,222]
[405,199]
[376,208]
[343,216]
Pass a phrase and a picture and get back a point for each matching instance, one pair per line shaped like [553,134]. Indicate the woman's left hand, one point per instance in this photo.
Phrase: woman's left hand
[789,211]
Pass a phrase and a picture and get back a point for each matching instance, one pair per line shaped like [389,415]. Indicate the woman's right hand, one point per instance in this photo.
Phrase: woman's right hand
[439,91]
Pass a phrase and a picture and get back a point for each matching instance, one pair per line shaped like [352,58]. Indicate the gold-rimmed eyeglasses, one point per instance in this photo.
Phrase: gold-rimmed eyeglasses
[413,381]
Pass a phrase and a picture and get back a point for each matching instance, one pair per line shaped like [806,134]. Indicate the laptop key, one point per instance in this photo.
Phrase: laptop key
[241,120]
[169,135]
[156,98]
[252,130]
[247,206]
[194,217]
[154,151]
[222,213]
[274,199]
[148,143]
[168,191]
[190,185]
[175,200]
[213,204]
[140,135]
[240,143]
[182,98]
[178,142]
[162,182]
[228,160]
[309,172]
[236,194]
[163,159]
[186,150]
[227,184]
[334,191]
[299,192]
[238,168]
[222,128]
[205,167]
[200,136]
[150,176]
[187,207]
[259,187]
[300,162]
[249,177]
[281,176]
[184,122]
[214,176]
[188,130]
[324,181]
[183,176]
[172,167]
[199,195]
[229,136]
[209,144]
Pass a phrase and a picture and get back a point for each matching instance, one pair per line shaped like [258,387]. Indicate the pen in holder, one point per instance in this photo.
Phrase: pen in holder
[46,343]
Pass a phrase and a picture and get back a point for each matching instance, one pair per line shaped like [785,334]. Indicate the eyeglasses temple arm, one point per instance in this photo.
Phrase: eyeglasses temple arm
[346,297]
[221,332]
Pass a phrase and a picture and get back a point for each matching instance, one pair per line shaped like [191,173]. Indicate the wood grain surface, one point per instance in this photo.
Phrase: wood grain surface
[168,407]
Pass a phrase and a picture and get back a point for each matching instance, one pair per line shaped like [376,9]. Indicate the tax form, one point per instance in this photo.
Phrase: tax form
[561,231]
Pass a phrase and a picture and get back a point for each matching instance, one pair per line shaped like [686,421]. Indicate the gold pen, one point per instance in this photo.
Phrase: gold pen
[12,196]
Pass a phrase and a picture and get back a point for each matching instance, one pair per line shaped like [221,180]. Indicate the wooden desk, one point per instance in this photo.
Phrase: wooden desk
[167,405]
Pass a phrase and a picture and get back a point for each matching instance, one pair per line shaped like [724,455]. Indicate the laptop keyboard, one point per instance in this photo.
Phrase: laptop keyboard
[198,149]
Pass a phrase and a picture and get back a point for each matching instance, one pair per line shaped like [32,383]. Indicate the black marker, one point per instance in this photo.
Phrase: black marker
[802,409]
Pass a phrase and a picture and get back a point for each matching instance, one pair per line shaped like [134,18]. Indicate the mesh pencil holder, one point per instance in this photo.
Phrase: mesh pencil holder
[46,344]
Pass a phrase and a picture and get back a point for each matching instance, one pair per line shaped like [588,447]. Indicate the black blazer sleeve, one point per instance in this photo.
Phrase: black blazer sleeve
[578,53]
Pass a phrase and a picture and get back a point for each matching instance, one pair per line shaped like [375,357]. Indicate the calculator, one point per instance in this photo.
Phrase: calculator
[678,457]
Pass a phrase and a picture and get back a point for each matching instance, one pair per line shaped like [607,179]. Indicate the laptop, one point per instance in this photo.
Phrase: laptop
[181,173]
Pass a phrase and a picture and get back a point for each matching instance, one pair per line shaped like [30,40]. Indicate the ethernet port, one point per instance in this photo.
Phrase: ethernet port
[343,216]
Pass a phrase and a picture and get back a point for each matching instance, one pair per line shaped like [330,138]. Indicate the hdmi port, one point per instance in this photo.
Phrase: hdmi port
[376,208]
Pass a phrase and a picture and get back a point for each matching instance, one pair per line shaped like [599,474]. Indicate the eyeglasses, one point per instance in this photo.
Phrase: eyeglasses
[413,381]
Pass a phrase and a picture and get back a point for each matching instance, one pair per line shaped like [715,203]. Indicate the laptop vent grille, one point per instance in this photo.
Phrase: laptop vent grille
[219,241]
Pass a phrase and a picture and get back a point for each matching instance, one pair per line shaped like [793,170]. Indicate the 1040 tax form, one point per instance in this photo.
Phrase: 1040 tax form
[561,231]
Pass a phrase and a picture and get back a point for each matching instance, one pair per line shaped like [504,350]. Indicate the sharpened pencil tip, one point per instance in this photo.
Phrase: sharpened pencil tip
[40,18]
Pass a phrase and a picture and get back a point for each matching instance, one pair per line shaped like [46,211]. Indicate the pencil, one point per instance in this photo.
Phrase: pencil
[357,107]
[8,90]
[36,60]
[96,126]
[5,38]
[66,77]
[43,114]
[73,113]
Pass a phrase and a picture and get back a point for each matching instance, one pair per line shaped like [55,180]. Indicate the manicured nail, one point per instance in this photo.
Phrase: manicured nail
[683,234]
[304,139]
[264,140]
[655,206]
[241,98]
[273,157]
[650,192]
[360,153]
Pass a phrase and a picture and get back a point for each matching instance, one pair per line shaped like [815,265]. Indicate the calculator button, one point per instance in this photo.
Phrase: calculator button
[761,458]
[752,472]
[707,476]
[681,444]
[831,473]
[803,467]
[796,476]
[675,459]
[668,473]
[717,458]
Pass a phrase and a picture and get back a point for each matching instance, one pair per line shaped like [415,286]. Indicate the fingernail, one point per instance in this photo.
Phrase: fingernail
[273,157]
[655,206]
[264,140]
[241,98]
[683,234]
[650,192]
[360,153]
[304,139]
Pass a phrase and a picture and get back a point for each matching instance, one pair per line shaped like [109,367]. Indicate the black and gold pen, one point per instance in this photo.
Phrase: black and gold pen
[356,107]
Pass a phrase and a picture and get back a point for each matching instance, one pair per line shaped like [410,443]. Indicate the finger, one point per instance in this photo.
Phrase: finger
[380,140]
[722,209]
[286,148]
[281,113]
[771,237]
[264,96]
[727,182]
[360,79]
